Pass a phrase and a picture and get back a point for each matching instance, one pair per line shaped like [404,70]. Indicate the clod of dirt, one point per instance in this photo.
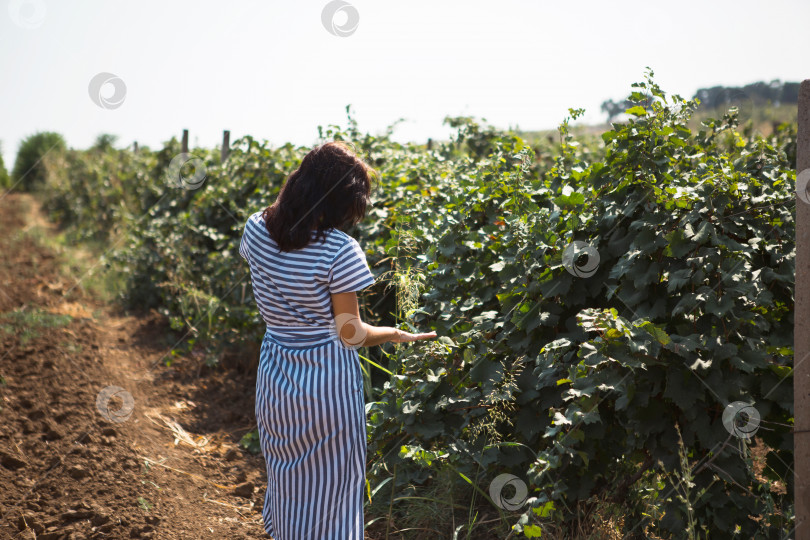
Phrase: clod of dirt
[106,528]
[244,490]
[28,427]
[54,533]
[100,518]
[232,454]
[75,515]
[30,521]
[11,462]
[51,431]
[26,403]
[142,532]
[77,472]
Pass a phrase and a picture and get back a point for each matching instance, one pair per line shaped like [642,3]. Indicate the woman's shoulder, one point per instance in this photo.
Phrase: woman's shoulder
[340,235]
[257,216]
[341,239]
[254,219]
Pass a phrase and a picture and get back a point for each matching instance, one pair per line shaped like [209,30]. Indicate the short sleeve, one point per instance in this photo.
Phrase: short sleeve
[349,271]
[243,245]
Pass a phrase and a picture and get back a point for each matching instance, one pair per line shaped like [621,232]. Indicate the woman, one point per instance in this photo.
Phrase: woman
[305,274]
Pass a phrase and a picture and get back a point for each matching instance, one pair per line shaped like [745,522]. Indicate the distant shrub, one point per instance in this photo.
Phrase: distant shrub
[29,170]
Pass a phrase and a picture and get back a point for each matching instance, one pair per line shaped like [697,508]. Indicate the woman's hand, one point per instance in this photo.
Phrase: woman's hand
[402,336]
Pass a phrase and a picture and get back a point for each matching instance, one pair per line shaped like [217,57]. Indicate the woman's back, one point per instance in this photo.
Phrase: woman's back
[292,288]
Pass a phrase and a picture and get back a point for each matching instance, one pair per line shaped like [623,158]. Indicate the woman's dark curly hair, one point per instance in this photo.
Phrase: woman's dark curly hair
[330,189]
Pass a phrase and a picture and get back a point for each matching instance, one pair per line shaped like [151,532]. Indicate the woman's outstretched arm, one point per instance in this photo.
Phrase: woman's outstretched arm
[353,332]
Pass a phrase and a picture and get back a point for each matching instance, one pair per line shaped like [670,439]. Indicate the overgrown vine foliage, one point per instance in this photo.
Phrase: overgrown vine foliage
[599,313]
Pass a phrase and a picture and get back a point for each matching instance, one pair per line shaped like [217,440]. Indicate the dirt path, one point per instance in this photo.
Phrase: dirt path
[71,468]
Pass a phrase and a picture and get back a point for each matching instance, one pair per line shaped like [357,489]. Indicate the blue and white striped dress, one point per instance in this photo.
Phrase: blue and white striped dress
[309,387]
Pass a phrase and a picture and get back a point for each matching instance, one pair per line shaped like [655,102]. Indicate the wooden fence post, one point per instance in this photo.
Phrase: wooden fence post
[226,144]
[801,329]
[135,147]
[185,142]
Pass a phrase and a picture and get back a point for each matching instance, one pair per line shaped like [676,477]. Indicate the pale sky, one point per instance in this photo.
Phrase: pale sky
[271,69]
